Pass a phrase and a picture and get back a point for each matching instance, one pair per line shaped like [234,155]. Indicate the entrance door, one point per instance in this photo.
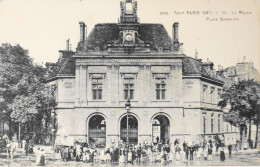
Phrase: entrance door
[97,131]
[161,129]
[132,129]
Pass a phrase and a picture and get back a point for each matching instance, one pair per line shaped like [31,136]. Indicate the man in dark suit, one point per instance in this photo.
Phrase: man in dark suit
[26,148]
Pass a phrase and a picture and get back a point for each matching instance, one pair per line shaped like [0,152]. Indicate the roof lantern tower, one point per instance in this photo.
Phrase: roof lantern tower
[128,11]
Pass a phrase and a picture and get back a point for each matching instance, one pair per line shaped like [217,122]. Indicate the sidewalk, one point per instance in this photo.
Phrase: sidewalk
[248,151]
[242,158]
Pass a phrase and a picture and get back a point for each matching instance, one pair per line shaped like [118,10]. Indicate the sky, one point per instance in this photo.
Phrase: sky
[43,26]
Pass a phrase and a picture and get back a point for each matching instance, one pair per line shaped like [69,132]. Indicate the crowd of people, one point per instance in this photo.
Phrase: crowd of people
[140,153]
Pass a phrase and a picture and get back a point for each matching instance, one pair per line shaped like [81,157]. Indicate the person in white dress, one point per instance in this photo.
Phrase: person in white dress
[129,156]
[199,153]
[87,155]
[23,145]
[183,155]
[121,157]
[177,152]
[38,156]
[102,155]
[205,153]
[13,147]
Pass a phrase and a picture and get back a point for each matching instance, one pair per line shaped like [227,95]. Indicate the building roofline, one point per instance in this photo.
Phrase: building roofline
[58,77]
[202,77]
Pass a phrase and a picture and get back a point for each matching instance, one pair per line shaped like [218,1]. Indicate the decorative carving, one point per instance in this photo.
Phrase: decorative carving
[205,87]
[141,67]
[109,67]
[97,75]
[129,75]
[84,67]
[179,66]
[116,66]
[147,67]
[161,75]
[173,67]
[212,89]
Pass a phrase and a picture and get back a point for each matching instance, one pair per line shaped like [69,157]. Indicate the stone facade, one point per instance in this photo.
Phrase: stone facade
[172,96]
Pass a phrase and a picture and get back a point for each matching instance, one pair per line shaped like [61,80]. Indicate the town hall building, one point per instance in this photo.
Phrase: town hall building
[131,82]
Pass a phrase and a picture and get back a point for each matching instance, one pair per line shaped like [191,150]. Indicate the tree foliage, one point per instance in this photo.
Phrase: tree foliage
[21,83]
[243,98]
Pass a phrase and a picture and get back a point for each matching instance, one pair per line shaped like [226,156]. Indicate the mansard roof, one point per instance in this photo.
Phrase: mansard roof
[195,67]
[64,66]
[104,34]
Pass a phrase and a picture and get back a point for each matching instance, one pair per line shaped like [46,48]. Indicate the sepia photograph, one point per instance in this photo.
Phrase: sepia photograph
[129,83]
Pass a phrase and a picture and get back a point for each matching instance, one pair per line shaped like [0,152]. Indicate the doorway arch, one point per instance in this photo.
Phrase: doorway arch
[161,129]
[132,129]
[97,131]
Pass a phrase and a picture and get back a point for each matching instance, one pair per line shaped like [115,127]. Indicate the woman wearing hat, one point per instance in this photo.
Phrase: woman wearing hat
[222,154]
[87,155]
[102,155]
[108,156]
[96,155]
[38,156]
[121,156]
[42,158]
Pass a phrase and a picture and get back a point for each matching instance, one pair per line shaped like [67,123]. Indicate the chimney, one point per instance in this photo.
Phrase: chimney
[207,60]
[175,32]
[196,54]
[219,67]
[244,59]
[82,31]
[68,45]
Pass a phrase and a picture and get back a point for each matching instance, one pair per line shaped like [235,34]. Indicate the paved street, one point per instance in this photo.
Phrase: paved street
[245,158]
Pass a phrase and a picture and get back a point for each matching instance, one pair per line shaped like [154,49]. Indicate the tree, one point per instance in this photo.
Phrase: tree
[22,87]
[243,98]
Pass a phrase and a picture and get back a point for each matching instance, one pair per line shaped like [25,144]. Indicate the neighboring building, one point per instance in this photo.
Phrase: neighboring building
[241,71]
[172,96]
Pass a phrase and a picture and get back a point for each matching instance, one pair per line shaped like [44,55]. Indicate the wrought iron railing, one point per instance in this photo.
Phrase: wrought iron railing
[132,133]
[97,133]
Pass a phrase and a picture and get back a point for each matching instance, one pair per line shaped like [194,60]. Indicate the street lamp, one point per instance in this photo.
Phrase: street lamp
[127,107]
[3,112]
[53,114]
[204,126]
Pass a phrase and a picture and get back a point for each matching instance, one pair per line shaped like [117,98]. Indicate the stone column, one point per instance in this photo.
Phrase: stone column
[77,93]
[83,82]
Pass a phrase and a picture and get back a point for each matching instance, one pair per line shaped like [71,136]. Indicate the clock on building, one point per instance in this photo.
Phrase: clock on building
[128,37]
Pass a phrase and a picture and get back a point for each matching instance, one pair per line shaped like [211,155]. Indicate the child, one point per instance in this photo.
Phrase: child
[199,153]
[205,152]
